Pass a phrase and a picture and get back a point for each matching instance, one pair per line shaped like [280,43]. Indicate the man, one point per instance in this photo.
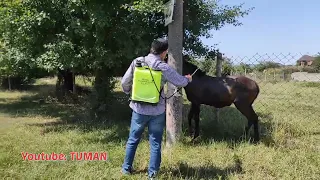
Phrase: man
[152,116]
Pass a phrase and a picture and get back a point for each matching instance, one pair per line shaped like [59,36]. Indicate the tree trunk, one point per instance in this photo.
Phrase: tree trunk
[9,83]
[102,96]
[65,83]
[68,80]
[73,82]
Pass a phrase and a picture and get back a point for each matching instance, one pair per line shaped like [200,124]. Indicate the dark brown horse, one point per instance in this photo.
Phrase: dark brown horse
[220,92]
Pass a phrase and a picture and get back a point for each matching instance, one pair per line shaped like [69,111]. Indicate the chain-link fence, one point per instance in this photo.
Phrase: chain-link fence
[281,67]
[289,97]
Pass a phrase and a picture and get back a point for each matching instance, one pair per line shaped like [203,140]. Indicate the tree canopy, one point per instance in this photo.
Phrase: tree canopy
[96,37]
[83,34]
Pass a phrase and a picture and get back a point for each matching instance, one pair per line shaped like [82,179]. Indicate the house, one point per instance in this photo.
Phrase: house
[305,60]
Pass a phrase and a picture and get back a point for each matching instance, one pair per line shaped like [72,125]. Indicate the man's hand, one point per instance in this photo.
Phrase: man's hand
[189,77]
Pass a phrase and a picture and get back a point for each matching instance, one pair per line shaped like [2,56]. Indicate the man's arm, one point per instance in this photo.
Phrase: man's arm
[173,76]
[126,82]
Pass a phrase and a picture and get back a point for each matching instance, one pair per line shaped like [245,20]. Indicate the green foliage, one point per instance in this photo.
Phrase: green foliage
[15,62]
[95,36]
[243,68]
[209,66]
[145,6]
[265,65]
[80,34]
[227,67]
[316,64]
[200,17]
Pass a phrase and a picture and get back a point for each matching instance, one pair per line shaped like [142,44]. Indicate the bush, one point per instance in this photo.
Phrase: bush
[316,64]
[309,69]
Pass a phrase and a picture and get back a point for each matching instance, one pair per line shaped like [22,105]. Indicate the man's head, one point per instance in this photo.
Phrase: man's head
[159,47]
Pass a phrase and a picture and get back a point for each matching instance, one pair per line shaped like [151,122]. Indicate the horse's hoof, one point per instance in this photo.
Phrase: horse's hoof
[253,141]
[256,141]
[196,136]
[194,139]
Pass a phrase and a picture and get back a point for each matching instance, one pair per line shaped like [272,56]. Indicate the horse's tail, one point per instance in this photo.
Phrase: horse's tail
[257,90]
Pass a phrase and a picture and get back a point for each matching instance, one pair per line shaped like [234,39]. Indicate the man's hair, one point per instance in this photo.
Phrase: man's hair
[159,45]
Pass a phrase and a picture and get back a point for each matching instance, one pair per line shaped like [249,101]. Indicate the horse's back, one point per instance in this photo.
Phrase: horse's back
[247,82]
[222,91]
[247,89]
[210,90]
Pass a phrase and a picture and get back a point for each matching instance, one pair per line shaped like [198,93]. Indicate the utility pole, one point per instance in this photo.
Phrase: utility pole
[174,20]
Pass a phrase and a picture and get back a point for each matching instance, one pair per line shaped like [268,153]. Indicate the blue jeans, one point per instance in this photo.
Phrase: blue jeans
[155,126]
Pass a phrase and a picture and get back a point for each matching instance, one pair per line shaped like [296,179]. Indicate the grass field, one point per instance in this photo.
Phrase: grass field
[33,121]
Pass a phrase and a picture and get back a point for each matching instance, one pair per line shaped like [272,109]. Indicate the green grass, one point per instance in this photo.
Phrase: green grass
[289,148]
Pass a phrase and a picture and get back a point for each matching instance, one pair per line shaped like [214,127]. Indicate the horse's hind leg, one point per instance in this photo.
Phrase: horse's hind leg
[247,110]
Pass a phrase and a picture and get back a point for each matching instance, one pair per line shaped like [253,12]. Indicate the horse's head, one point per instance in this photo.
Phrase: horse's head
[190,68]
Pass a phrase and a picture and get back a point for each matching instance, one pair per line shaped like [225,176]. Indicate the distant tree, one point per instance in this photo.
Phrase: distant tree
[227,67]
[243,67]
[316,63]
[209,66]
[206,64]
[266,65]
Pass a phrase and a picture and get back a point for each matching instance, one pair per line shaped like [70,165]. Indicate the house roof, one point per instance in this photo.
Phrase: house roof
[306,58]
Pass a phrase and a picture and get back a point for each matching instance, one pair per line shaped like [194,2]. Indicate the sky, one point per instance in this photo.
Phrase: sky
[274,27]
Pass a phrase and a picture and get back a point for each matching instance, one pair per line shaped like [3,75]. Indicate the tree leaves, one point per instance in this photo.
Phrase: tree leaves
[85,34]
[316,63]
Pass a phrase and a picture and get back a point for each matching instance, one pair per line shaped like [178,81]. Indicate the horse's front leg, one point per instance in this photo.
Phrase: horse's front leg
[190,116]
[196,112]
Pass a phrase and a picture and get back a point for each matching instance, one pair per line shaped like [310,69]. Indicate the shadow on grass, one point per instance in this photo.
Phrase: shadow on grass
[186,171]
[69,116]
[230,127]
[33,88]
[42,104]
[266,128]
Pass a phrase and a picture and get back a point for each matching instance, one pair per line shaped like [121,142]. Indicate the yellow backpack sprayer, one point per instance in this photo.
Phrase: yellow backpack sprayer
[146,84]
